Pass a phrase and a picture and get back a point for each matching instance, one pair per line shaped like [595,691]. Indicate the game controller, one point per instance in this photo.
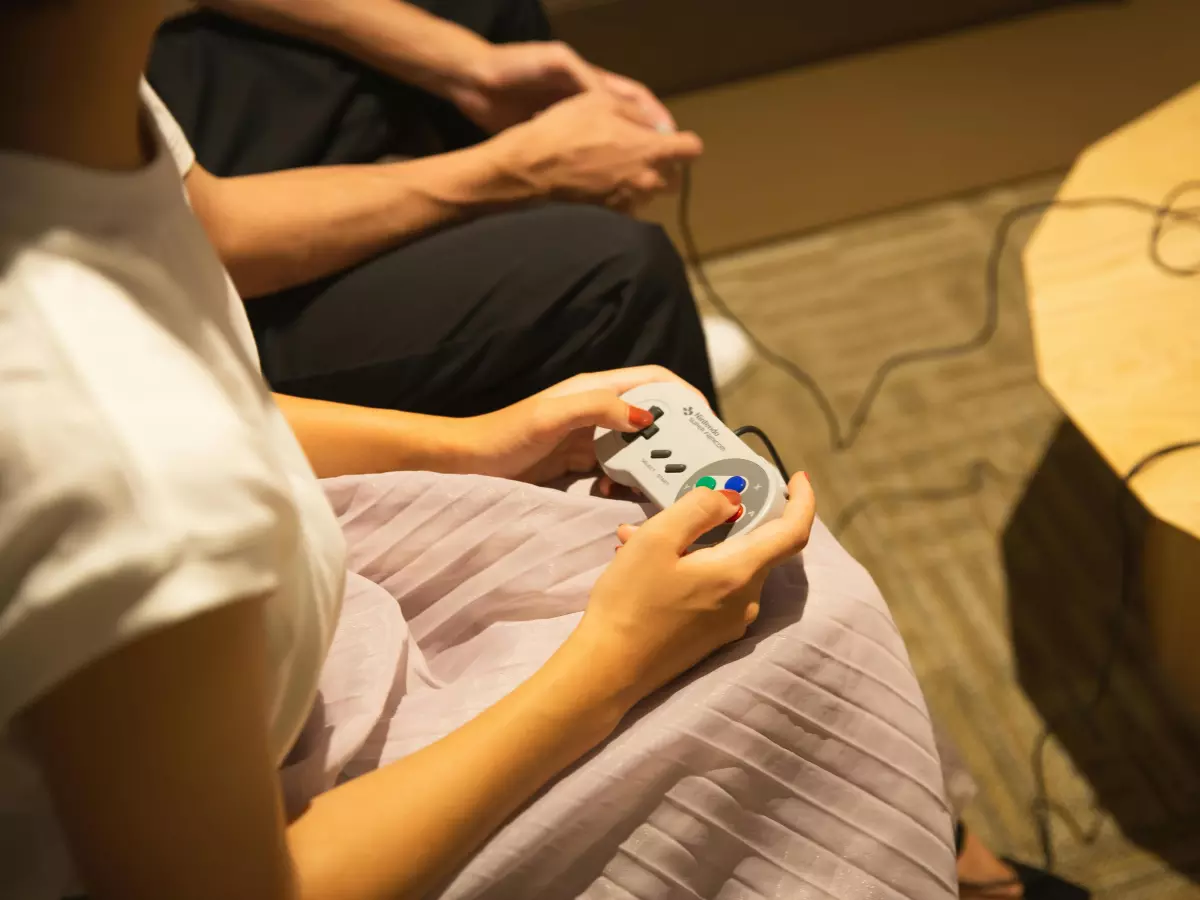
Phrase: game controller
[688,447]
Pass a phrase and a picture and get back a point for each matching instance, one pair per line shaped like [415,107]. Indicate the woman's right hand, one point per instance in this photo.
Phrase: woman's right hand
[656,612]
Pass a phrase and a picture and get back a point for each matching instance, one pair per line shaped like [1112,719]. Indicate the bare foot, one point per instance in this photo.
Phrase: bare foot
[978,866]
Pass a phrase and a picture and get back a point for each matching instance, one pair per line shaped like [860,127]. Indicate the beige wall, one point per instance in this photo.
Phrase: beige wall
[820,144]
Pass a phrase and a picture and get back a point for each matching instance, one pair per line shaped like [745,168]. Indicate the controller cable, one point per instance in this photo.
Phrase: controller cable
[1127,586]
[775,457]
[979,471]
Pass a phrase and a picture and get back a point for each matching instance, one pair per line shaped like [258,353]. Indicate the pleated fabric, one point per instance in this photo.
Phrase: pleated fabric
[798,763]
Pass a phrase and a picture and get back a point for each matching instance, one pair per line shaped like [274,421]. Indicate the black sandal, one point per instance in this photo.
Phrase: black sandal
[1036,884]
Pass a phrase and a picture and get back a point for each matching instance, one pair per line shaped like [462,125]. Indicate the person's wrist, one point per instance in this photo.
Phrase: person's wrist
[414,442]
[613,662]
[451,446]
[592,679]
[495,174]
[514,161]
[471,68]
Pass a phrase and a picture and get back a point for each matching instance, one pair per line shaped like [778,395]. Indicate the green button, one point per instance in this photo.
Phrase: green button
[707,482]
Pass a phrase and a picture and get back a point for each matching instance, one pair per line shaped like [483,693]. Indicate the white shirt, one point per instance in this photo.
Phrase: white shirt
[146,476]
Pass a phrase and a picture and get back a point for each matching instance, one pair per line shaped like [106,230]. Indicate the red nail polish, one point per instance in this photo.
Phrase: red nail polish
[806,478]
[732,496]
[641,418]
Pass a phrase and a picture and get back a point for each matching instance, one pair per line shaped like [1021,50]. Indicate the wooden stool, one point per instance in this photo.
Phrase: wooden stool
[1117,340]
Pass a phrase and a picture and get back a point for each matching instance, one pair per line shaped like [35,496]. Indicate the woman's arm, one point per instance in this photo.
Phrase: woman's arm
[538,439]
[340,439]
[159,764]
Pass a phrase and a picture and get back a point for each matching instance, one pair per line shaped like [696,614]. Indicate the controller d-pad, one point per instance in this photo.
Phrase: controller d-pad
[648,432]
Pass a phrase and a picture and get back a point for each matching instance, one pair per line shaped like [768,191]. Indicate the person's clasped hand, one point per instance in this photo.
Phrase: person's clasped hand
[567,130]
[595,148]
[512,83]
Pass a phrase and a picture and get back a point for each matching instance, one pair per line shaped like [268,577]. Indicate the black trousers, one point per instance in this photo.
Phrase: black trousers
[459,321]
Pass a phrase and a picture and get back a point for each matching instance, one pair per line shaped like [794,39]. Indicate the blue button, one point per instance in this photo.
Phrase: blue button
[735,483]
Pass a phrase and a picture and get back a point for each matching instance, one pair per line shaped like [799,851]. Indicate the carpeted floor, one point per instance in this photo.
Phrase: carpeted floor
[1004,592]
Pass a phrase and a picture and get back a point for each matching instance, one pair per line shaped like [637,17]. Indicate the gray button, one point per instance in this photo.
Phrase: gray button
[676,468]
[650,432]
[657,412]
[659,454]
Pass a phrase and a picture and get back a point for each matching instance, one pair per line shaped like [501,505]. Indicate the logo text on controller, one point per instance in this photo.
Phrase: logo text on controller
[705,427]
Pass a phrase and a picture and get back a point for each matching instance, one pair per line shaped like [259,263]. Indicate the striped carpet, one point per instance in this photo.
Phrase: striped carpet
[1004,593]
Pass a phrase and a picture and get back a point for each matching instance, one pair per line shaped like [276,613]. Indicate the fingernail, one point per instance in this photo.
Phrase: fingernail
[732,496]
[806,478]
[641,418]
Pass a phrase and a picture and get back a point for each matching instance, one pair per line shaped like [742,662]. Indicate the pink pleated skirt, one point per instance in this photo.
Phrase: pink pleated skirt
[797,763]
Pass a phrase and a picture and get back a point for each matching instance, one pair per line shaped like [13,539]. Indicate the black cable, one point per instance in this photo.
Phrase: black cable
[977,474]
[775,457]
[842,440]
[979,470]
[1042,806]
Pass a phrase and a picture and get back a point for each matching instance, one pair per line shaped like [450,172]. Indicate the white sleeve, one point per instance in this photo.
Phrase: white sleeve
[172,134]
[125,506]
[85,571]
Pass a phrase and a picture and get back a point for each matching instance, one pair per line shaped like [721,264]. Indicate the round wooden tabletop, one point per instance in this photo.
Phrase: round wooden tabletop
[1117,337]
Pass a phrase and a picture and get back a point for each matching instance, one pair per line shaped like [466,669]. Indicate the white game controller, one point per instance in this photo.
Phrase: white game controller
[689,447]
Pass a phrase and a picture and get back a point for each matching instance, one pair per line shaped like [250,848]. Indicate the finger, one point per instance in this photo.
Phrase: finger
[678,526]
[562,415]
[625,532]
[649,182]
[584,76]
[618,381]
[659,117]
[683,146]
[610,488]
[581,443]
[622,200]
[772,543]
[632,110]
[672,173]
[581,462]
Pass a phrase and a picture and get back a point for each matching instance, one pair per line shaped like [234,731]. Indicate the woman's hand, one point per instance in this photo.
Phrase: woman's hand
[656,612]
[552,433]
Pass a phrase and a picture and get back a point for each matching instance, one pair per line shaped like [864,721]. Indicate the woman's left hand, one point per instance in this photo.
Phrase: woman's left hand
[551,434]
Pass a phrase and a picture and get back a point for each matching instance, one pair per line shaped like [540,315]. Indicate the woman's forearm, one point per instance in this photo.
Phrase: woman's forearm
[394,37]
[281,229]
[402,829]
[340,439]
